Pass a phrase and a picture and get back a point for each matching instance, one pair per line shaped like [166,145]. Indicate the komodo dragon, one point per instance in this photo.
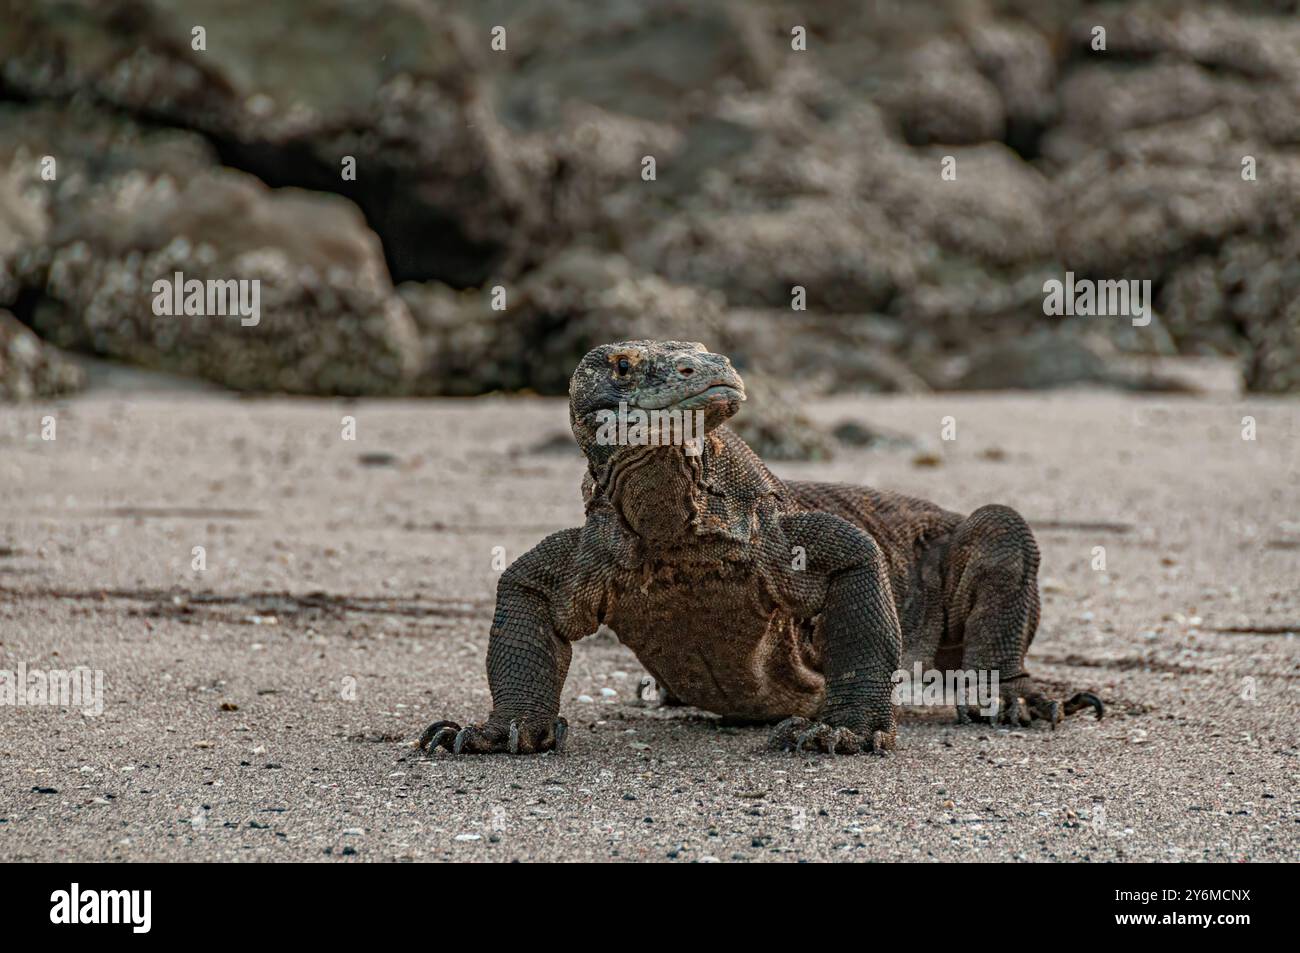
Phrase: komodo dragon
[744,595]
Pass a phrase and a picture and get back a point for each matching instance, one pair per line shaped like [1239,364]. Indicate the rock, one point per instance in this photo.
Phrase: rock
[821,353]
[30,368]
[1096,106]
[1131,219]
[23,226]
[847,255]
[1255,283]
[1246,286]
[1040,361]
[630,81]
[941,97]
[555,314]
[463,154]
[582,298]
[853,433]
[1153,138]
[1274,365]
[464,347]
[1171,205]
[996,211]
[1018,61]
[131,207]
[658,62]
[1164,67]
[771,424]
[289,89]
[1160,68]
[593,170]
[775,168]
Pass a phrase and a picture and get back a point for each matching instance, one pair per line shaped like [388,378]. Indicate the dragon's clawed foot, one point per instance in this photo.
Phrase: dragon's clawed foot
[1021,711]
[802,735]
[497,736]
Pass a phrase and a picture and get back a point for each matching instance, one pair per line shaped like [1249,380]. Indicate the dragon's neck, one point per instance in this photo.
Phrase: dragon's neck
[658,492]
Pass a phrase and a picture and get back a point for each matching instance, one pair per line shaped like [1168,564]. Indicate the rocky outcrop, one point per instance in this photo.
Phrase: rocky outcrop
[30,369]
[548,321]
[1180,154]
[848,195]
[292,91]
[295,294]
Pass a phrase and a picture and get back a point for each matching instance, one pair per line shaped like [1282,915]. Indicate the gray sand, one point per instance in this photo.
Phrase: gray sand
[1197,759]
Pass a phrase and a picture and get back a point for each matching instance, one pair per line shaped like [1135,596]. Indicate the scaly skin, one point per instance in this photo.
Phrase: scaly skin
[756,599]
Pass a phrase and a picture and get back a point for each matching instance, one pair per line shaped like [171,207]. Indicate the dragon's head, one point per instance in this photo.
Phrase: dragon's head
[648,376]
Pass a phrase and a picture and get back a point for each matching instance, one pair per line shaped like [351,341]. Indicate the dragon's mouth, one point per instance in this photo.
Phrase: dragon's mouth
[719,392]
[713,394]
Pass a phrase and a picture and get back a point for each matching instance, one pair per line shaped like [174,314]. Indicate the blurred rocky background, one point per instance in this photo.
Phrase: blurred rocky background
[522,168]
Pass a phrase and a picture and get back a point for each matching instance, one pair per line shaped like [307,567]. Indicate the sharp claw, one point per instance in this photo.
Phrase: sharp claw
[561,729]
[461,737]
[444,737]
[878,742]
[514,737]
[783,738]
[430,739]
[1082,699]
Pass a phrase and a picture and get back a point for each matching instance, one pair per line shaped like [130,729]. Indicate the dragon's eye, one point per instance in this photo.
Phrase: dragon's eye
[623,366]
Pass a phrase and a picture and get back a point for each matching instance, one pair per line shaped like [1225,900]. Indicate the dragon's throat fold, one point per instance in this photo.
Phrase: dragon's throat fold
[657,491]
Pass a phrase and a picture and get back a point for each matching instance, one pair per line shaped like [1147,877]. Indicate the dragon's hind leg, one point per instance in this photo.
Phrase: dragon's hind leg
[991,595]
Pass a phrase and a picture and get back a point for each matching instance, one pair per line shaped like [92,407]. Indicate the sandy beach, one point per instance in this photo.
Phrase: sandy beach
[264,707]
